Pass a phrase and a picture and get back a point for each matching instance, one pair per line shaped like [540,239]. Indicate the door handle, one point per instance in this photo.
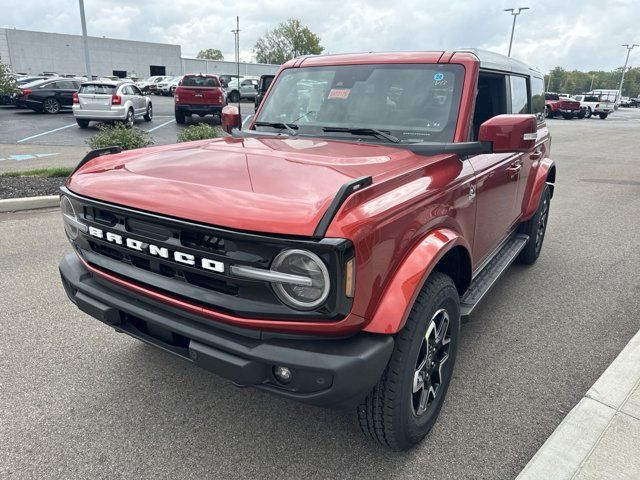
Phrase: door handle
[536,155]
[514,170]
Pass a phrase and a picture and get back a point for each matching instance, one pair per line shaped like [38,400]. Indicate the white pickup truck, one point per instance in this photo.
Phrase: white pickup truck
[596,103]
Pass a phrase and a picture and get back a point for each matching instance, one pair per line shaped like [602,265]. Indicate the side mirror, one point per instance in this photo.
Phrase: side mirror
[510,133]
[230,118]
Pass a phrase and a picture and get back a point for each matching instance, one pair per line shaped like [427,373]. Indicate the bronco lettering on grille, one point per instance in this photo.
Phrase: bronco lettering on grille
[157,251]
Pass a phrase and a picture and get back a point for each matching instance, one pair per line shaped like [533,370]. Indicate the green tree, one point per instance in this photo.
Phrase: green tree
[210,54]
[7,80]
[288,40]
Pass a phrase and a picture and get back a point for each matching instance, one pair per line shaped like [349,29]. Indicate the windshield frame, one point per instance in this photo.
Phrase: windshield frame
[451,110]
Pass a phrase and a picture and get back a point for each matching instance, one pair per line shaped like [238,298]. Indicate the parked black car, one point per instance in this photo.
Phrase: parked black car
[263,86]
[49,96]
[7,98]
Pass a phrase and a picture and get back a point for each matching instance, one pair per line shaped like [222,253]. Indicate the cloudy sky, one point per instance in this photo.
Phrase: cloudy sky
[582,34]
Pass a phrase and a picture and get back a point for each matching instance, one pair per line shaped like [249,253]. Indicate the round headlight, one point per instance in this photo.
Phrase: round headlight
[70,218]
[306,264]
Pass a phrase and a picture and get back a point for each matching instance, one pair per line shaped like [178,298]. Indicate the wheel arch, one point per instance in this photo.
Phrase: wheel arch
[442,250]
[545,175]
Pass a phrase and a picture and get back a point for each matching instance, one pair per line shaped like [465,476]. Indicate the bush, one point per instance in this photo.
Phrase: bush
[201,131]
[118,135]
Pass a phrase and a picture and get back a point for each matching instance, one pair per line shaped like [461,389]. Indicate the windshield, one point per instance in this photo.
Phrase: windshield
[199,81]
[416,102]
[551,96]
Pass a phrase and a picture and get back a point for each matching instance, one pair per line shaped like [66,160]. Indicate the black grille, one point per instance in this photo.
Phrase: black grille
[218,290]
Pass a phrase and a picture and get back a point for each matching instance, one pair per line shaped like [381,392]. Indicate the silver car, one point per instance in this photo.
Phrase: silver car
[106,101]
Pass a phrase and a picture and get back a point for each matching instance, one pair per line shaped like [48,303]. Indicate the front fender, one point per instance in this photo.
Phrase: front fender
[400,294]
[545,173]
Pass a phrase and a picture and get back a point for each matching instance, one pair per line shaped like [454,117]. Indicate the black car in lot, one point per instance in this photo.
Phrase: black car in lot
[49,96]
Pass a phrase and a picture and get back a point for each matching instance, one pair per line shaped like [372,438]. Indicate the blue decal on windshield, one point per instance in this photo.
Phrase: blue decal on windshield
[438,76]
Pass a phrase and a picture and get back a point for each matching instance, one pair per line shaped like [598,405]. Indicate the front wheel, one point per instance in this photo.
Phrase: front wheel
[234,97]
[589,113]
[535,228]
[404,405]
[581,114]
[129,119]
[603,116]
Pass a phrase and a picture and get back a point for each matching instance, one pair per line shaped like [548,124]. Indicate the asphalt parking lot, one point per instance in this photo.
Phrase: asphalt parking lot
[24,126]
[80,401]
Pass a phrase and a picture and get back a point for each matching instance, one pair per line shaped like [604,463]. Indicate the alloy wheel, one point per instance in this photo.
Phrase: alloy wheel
[129,120]
[51,105]
[150,111]
[542,223]
[432,357]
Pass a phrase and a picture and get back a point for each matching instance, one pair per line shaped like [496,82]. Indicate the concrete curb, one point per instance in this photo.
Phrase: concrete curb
[599,437]
[28,203]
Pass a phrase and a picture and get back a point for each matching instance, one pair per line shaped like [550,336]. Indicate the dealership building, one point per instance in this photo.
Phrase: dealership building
[32,52]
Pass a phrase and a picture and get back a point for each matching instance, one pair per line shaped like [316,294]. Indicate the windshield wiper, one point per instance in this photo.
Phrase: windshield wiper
[289,126]
[363,131]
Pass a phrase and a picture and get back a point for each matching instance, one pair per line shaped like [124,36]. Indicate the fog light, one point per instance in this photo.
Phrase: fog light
[282,374]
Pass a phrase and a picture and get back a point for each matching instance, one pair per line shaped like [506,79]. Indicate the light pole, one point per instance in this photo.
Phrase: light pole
[236,34]
[85,43]
[624,69]
[513,27]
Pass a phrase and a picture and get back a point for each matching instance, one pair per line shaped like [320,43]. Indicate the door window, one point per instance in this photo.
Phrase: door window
[519,95]
[491,99]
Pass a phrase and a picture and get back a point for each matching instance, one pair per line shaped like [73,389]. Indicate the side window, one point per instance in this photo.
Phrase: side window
[127,90]
[491,99]
[246,83]
[519,95]
[537,98]
[135,90]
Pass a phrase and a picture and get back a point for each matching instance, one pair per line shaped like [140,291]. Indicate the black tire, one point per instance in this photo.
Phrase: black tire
[51,105]
[179,117]
[82,123]
[567,116]
[130,119]
[589,113]
[149,115]
[388,415]
[581,114]
[535,227]
[603,116]
[234,97]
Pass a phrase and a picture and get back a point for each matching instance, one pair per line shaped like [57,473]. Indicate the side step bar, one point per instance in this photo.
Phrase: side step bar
[488,276]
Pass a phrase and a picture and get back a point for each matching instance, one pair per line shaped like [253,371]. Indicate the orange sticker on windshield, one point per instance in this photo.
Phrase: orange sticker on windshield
[339,92]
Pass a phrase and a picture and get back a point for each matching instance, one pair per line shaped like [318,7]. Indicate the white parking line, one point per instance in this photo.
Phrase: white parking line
[161,125]
[45,133]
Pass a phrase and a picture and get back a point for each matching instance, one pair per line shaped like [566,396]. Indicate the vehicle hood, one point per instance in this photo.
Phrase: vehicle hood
[271,185]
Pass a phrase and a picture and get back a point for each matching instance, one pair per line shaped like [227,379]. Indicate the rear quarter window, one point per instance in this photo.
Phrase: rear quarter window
[195,81]
[537,97]
[98,89]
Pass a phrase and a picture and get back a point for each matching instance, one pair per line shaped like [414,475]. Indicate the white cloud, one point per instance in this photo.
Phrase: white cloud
[574,34]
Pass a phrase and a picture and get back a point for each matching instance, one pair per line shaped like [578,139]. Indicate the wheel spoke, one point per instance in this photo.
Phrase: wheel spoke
[418,381]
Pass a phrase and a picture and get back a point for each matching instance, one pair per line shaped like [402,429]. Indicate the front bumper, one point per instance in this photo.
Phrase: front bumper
[325,372]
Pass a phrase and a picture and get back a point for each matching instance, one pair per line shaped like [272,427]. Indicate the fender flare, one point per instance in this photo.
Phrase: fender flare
[400,294]
[545,174]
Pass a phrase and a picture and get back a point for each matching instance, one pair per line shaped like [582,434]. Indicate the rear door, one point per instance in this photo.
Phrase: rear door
[248,88]
[139,100]
[95,96]
[200,90]
[64,90]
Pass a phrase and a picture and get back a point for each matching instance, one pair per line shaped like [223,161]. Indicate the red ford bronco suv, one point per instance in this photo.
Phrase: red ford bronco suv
[327,252]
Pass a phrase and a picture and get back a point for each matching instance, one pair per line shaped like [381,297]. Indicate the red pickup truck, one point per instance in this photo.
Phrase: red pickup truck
[557,105]
[328,252]
[198,94]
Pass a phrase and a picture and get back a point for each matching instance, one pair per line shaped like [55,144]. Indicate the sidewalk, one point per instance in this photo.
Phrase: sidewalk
[600,437]
[15,157]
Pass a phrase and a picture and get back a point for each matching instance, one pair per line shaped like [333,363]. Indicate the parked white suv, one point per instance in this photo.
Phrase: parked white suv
[109,102]
[248,88]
